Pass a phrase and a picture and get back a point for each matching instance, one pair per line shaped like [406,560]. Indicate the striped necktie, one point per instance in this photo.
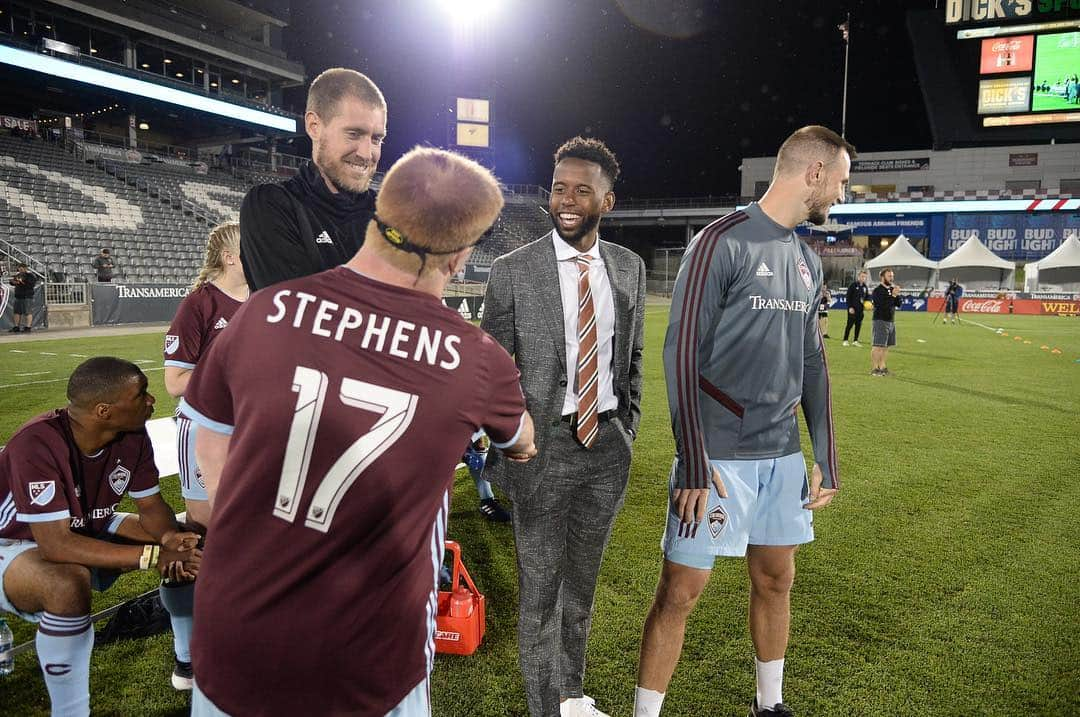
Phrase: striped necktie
[587,366]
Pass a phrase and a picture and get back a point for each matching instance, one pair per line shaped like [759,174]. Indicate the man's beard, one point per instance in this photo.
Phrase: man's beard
[335,174]
[589,222]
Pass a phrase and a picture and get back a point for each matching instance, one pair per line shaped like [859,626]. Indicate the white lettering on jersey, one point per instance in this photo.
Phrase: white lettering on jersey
[758,303]
[401,339]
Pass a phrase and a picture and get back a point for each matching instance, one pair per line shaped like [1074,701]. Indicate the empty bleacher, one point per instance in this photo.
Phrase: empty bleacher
[63,211]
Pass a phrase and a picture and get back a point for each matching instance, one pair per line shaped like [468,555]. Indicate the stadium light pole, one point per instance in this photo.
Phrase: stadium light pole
[845,30]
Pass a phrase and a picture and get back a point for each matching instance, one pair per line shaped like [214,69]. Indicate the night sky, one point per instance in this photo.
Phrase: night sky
[681,93]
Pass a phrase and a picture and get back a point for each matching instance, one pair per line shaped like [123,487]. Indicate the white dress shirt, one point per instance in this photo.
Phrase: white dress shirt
[603,306]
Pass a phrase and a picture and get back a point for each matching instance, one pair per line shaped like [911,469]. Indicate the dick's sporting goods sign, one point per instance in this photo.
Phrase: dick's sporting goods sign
[965,11]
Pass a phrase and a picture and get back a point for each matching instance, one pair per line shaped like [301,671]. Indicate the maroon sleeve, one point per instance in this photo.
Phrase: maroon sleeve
[184,340]
[144,480]
[208,398]
[39,476]
[503,407]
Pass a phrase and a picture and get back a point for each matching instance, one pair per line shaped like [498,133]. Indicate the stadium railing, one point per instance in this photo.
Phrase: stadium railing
[69,294]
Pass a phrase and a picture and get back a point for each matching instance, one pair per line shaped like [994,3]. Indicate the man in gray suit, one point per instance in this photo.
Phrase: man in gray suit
[570,309]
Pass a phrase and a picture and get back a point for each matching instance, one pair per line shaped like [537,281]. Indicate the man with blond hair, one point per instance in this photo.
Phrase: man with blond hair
[317,219]
[742,353]
[332,414]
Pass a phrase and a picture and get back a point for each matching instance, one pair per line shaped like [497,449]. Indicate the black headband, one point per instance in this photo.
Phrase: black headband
[397,239]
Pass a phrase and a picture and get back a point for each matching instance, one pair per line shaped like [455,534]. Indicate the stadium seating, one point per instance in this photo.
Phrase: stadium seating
[63,211]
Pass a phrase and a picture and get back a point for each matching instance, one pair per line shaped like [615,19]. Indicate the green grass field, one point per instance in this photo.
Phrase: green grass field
[945,578]
[1056,57]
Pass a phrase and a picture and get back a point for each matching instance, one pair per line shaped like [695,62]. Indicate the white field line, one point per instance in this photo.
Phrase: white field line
[54,380]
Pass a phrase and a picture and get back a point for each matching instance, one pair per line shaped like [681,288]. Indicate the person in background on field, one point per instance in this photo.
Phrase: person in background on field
[952,300]
[886,299]
[205,312]
[62,476]
[857,294]
[22,305]
[103,266]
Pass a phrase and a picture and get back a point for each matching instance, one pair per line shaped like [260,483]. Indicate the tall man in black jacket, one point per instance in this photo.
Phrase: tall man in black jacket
[856,295]
[317,219]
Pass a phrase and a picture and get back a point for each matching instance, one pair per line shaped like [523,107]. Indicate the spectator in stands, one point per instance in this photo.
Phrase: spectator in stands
[61,477]
[856,298]
[103,266]
[317,219]
[24,282]
[887,299]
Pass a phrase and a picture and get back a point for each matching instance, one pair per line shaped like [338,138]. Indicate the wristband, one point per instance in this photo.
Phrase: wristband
[144,561]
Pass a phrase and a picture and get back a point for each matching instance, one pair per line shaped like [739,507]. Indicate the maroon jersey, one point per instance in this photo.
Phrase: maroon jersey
[349,403]
[199,320]
[44,477]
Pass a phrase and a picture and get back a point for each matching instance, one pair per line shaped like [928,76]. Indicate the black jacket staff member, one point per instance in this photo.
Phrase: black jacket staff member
[316,220]
[886,298]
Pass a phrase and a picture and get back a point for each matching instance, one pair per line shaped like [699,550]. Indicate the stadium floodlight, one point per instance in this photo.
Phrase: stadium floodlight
[122,83]
[468,12]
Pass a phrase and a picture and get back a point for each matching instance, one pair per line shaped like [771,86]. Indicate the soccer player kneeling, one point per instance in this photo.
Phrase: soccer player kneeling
[62,476]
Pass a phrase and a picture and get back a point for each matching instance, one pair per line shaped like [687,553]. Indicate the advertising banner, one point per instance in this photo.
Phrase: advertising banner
[1007,54]
[18,123]
[1051,307]
[910,303]
[1016,237]
[1012,94]
[879,225]
[134,303]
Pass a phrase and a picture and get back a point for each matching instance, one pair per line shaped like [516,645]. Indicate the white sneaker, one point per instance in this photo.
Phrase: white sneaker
[858,344]
[845,343]
[580,707]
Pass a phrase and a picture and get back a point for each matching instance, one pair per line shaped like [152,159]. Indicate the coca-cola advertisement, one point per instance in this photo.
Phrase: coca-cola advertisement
[1049,307]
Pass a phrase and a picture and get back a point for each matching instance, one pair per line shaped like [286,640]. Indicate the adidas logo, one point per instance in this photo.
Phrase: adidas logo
[221,323]
[324,238]
[764,270]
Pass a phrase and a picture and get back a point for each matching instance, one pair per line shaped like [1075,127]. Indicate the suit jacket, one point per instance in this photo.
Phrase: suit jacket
[523,312]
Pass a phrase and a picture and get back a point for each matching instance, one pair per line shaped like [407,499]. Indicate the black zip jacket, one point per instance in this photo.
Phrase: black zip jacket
[300,227]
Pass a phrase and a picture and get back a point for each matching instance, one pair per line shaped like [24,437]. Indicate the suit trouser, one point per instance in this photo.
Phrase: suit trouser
[853,320]
[561,531]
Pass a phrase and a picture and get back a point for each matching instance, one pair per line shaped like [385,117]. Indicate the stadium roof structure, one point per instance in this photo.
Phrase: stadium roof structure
[901,253]
[973,253]
[1066,256]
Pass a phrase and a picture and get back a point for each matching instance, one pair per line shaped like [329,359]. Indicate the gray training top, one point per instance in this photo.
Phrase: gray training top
[743,349]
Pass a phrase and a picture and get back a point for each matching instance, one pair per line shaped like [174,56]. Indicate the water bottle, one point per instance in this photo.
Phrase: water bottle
[7,644]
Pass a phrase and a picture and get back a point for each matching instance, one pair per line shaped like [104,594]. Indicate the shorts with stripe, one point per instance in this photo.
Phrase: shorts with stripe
[416,704]
[764,507]
[191,480]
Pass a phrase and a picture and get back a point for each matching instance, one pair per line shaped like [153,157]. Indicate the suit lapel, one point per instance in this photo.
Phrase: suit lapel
[617,279]
[546,275]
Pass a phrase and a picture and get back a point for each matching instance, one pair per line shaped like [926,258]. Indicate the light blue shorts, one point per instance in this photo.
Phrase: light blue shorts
[100,578]
[191,480]
[764,507]
[416,704]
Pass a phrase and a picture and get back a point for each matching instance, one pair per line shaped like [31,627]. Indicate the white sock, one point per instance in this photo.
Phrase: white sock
[63,648]
[770,682]
[647,702]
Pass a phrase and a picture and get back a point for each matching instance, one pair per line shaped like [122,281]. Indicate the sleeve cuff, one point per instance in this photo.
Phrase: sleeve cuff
[208,423]
[517,435]
[137,494]
[180,364]
[42,517]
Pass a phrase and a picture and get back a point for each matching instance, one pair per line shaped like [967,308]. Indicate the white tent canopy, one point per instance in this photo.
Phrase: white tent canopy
[977,268]
[910,268]
[1059,270]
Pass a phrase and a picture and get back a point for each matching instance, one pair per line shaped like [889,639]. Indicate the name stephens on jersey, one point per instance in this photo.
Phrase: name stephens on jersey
[401,339]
